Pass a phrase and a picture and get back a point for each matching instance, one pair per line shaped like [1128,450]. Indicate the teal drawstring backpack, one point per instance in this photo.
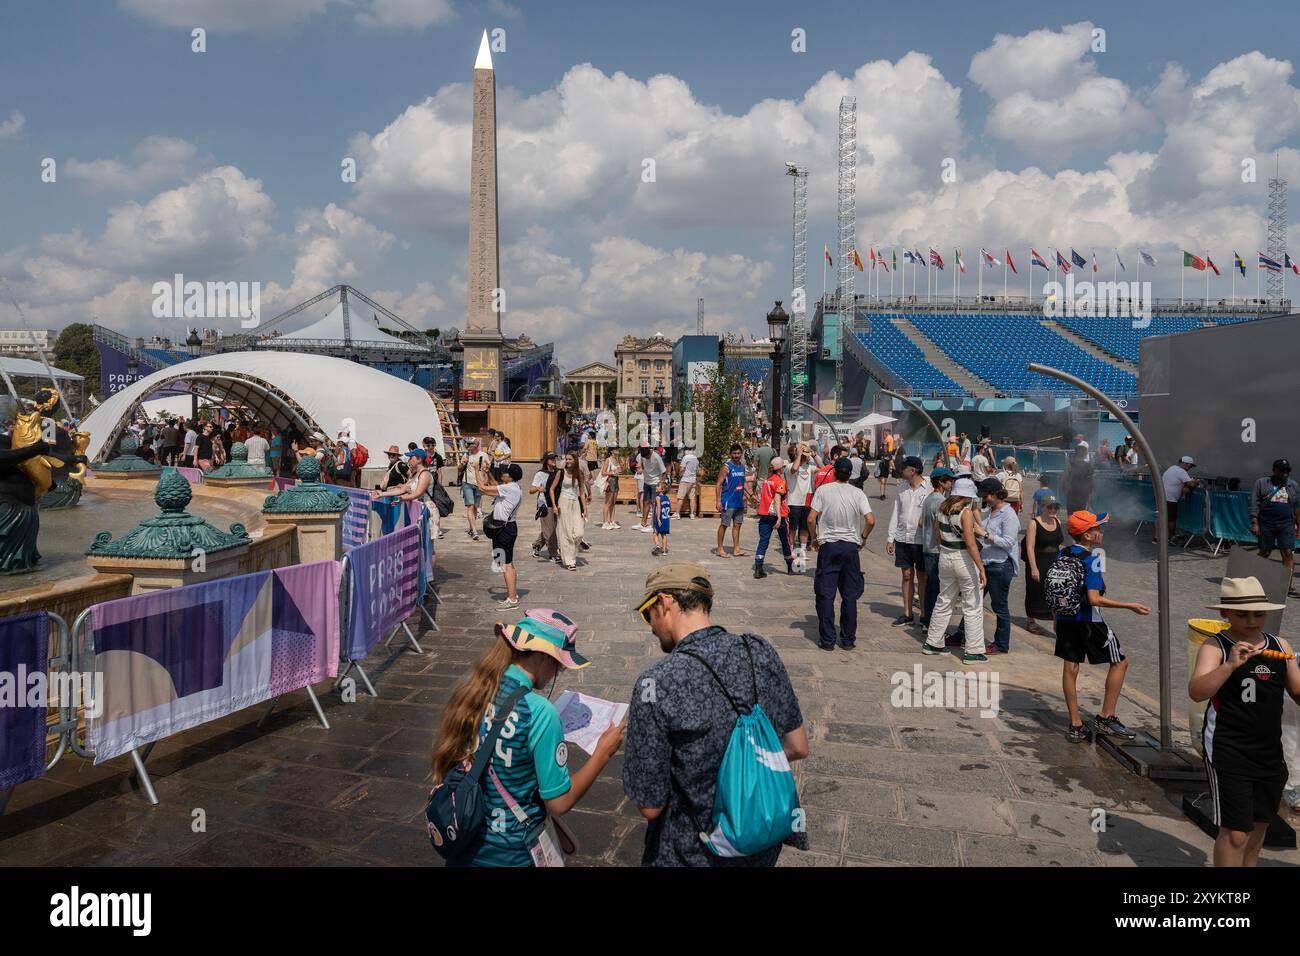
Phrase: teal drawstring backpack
[756,804]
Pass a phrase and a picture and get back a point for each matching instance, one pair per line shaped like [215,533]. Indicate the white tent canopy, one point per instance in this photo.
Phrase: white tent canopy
[33,369]
[310,392]
[363,331]
[870,421]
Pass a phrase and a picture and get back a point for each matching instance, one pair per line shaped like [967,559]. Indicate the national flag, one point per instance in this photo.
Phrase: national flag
[1120,261]
[908,257]
[857,259]
[917,257]
[1094,260]
[1077,259]
[1236,261]
[935,258]
[990,260]
[829,261]
[961,264]
[1010,263]
[1196,262]
[893,254]
[871,255]
[1036,259]
[1061,263]
[1210,262]
[1272,265]
[1147,257]
[880,258]
[1291,265]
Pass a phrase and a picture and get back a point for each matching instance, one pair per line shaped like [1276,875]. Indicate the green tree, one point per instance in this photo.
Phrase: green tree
[74,351]
[716,400]
[611,394]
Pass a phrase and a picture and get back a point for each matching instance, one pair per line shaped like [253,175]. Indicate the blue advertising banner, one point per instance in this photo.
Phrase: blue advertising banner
[385,585]
[24,652]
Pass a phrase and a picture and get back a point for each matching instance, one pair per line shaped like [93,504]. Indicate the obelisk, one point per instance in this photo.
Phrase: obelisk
[483,339]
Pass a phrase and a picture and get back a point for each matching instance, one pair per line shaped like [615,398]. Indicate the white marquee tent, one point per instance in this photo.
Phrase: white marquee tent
[315,393]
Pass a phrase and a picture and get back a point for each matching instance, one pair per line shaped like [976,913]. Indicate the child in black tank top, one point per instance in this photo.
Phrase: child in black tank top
[1242,673]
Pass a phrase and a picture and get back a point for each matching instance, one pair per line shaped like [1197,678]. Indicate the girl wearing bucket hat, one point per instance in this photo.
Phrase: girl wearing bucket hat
[528,776]
[1243,673]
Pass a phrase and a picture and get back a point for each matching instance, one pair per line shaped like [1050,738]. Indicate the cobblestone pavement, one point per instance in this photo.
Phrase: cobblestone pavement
[884,785]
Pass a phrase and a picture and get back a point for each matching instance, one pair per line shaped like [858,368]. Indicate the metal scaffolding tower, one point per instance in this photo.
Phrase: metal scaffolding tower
[699,316]
[1276,281]
[799,286]
[848,193]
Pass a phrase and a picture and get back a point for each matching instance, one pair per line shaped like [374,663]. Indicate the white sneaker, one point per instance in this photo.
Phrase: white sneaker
[648,530]
[675,516]
[615,526]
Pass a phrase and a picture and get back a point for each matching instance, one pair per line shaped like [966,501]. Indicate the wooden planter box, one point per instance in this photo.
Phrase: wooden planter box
[708,494]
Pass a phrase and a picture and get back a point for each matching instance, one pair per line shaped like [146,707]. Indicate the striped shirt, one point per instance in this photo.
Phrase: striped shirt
[951,537]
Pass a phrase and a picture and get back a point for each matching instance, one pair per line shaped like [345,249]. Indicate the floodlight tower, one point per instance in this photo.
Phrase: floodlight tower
[799,285]
[1276,236]
[848,209]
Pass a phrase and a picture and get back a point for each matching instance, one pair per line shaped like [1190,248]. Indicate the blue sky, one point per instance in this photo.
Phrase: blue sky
[226,164]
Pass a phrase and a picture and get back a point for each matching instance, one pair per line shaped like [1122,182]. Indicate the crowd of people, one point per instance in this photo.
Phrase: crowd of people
[955,534]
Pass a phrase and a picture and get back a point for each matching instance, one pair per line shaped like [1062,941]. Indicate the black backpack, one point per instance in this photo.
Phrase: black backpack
[1063,585]
[455,815]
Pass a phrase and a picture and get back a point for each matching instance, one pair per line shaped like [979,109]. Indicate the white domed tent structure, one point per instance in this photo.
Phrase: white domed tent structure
[313,393]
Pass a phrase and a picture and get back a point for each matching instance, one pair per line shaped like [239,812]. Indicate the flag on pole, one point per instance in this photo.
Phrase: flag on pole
[1210,262]
[893,254]
[1272,265]
[1236,261]
[880,258]
[829,261]
[935,258]
[1120,261]
[1061,263]
[1010,263]
[961,264]
[857,259]
[1195,262]
[1094,260]
[1077,259]
[990,260]
[1036,259]
[1147,257]
[871,256]
[917,257]
[1291,265]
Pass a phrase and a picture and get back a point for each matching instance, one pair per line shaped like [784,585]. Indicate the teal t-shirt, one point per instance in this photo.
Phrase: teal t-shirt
[532,761]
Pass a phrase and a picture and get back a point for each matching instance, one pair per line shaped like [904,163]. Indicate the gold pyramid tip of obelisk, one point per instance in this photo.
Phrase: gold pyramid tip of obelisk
[484,61]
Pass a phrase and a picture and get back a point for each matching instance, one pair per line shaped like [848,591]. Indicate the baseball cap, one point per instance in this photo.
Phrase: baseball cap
[1186,460]
[777,462]
[416,453]
[1281,465]
[1081,521]
[843,466]
[990,486]
[911,461]
[941,473]
[677,576]
[1050,501]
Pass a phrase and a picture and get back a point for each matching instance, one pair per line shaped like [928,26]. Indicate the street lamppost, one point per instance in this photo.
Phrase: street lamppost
[777,323]
[194,345]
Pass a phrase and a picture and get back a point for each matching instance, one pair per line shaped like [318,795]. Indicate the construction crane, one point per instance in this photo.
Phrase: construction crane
[799,286]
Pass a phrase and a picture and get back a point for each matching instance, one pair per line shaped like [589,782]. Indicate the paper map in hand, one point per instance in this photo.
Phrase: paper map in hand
[585,718]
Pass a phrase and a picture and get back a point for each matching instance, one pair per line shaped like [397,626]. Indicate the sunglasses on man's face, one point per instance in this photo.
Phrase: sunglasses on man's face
[644,609]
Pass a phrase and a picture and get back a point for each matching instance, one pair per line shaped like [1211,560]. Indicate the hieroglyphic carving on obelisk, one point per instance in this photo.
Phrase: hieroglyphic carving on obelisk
[483,319]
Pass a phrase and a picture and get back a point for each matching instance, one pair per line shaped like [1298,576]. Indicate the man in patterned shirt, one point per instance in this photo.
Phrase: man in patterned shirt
[680,721]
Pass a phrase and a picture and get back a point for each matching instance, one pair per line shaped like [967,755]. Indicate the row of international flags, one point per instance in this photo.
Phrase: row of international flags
[1190,260]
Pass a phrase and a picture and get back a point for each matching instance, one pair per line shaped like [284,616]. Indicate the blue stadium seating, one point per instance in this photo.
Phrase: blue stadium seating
[897,353]
[1118,337]
[998,346]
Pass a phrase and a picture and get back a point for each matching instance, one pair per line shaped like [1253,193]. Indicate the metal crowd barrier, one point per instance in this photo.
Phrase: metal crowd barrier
[66,722]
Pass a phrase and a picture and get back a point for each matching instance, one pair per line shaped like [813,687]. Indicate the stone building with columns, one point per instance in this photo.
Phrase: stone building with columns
[591,381]
[645,371]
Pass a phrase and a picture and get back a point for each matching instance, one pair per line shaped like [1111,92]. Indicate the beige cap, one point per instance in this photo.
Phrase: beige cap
[677,576]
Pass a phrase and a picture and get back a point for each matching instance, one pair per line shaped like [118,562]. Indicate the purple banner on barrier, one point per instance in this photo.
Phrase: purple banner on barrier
[385,584]
[356,522]
[178,658]
[193,475]
[24,650]
[283,483]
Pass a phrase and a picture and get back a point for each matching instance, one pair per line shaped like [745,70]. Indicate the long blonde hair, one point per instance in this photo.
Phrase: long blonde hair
[458,733]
